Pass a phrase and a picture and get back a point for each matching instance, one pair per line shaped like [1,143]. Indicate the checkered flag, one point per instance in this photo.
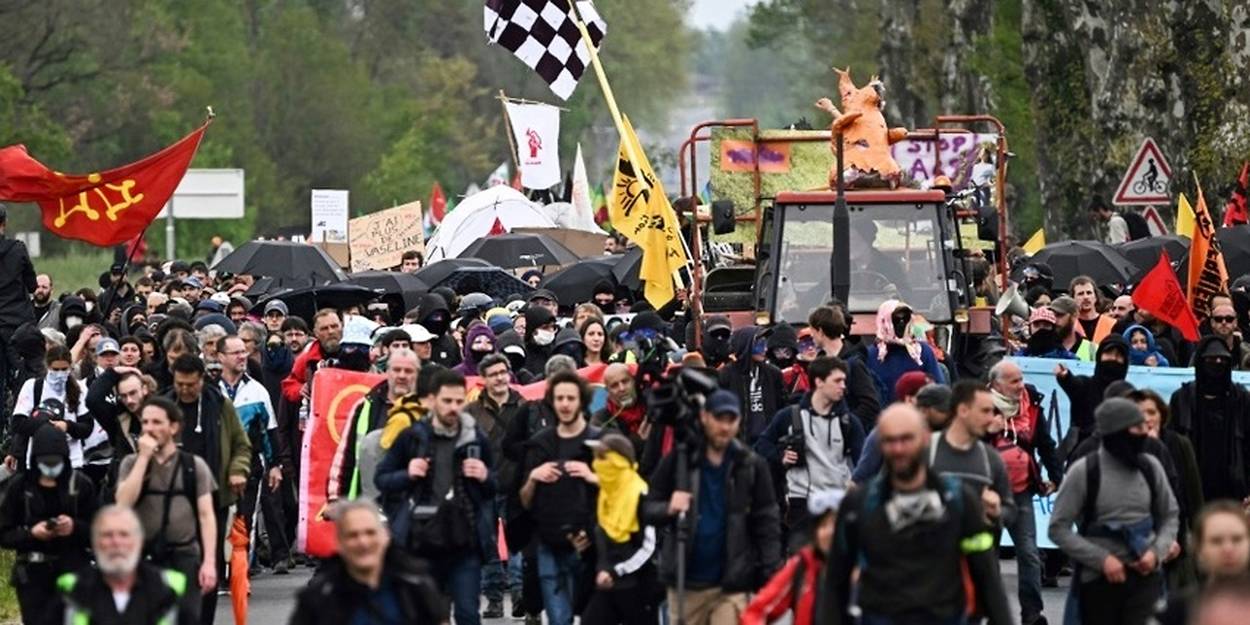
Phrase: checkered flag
[543,35]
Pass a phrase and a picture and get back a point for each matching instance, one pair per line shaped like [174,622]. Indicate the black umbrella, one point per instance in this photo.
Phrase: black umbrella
[1235,246]
[492,281]
[438,271]
[401,291]
[265,286]
[1069,259]
[576,283]
[519,250]
[627,267]
[282,260]
[1144,253]
[305,302]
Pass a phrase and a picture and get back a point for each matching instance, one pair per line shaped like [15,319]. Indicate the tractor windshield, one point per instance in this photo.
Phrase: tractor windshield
[896,251]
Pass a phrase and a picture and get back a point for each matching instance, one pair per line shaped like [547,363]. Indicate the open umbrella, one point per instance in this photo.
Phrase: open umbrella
[581,242]
[576,283]
[305,302]
[282,260]
[492,281]
[627,267]
[1235,246]
[519,250]
[436,272]
[1069,259]
[401,291]
[1144,253]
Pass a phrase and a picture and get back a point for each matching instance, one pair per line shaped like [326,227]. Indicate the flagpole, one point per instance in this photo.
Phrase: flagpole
[507,122]
[620,124]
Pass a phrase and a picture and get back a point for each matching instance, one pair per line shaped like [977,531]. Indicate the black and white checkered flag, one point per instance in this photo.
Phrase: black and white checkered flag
[543,35]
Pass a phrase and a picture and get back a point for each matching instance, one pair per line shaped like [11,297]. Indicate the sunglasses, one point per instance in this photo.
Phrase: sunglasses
[1224,319]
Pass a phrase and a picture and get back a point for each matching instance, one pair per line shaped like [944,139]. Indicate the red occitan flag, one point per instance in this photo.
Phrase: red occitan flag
[102,208]
[1160,294]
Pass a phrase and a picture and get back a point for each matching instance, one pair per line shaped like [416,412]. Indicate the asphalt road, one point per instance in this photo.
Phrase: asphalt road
[273,598]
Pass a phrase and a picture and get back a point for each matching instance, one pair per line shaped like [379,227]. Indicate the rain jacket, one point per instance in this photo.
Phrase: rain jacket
[468,358]
[892,356]
[1136,357]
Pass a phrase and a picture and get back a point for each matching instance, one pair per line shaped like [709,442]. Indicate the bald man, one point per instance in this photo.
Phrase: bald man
[910,529]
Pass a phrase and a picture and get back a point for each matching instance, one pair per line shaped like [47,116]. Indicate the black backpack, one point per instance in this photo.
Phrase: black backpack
[156,548]
[1093,480]
[1137,226]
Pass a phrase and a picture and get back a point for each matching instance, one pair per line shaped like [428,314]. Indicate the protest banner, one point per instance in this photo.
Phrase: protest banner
[1040,372]
[379,240]
[335,394]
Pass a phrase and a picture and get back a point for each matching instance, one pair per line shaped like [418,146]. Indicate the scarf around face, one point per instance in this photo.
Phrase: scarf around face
[887,337]
[1009,406]
[620,488]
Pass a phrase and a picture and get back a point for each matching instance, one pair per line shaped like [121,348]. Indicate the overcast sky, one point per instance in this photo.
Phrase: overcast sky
[717,14]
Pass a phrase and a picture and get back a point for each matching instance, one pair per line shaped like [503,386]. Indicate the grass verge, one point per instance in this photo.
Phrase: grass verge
[72,272]
[8,596]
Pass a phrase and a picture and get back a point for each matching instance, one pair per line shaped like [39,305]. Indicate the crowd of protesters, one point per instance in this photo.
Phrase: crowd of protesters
[828,477]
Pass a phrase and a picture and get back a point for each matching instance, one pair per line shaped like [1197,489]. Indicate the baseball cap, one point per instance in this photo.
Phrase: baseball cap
[107,346]
[1042,314]
[613,442]
[193,281]
[417,333]
[210,305]
[934,396]
[718,322]
[277,305]
[722,402]
[1063,305]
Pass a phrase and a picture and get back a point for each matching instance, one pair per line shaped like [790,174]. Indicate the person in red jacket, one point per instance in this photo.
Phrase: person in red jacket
[328,329]
[793,588]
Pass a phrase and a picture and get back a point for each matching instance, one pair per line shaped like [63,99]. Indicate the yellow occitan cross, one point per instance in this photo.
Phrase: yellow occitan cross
[111,210]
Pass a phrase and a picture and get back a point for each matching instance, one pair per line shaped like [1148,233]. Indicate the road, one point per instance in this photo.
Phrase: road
[273,598]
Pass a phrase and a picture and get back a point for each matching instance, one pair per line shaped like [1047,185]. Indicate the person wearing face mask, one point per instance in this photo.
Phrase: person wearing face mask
[479,342]
[783,348]
[540,334]
[897,351]
[1214,414]
[44,516]
[1044,341]
[757,383]
[434,314]
[69,413]
[717,330]
[73,313]
[1085,391]
[1125,519]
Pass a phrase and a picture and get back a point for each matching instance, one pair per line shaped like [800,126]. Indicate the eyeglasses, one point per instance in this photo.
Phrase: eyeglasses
[1224,319]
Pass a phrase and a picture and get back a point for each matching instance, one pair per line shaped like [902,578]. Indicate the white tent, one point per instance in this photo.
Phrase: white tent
[567,216]
[474,217]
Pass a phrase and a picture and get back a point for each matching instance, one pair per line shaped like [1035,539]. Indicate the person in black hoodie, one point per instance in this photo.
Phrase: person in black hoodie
[45,516]
[17,283]
[1214,414]
[1086,392]
[434,314]
[757,383]
[540,337]
[569,343]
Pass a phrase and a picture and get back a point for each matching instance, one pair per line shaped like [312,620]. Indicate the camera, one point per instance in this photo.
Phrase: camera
[794,441]
[675,399]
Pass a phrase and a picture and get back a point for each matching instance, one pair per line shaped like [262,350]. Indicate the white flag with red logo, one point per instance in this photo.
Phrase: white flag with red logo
[536,128]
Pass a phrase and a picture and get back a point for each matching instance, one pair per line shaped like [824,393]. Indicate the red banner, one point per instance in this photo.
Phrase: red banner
[335,394]
[102,208]
[1160,294]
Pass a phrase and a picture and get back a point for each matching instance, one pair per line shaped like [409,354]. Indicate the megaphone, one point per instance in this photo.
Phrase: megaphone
[1012,303]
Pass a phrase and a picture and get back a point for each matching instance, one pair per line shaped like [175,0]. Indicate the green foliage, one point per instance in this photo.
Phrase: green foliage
[8,595]
[72,272]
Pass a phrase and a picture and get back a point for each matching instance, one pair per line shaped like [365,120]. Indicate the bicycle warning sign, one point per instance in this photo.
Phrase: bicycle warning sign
[1147,180]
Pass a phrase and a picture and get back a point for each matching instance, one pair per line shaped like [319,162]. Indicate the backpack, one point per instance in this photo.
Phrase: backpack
[156,548]
[985,456]
[1137,226]
[796,426]
[1093,481]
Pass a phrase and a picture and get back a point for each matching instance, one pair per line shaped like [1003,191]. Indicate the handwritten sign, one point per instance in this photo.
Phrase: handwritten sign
[915,157]
[380,239]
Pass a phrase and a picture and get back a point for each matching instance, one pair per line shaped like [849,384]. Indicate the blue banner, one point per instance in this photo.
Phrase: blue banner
[1040,372]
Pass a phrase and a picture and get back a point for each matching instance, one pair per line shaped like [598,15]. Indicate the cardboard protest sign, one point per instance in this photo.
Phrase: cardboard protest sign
[379,240]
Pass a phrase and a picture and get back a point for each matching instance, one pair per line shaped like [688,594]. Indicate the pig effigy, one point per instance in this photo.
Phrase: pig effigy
[866,139]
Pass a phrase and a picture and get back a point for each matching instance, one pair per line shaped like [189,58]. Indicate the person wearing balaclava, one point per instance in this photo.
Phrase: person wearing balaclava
[897,351]
[1214,414]
[45,517]
[512,346]
[569,342]
[73,313]
[540,336]
[1128,528]
[434,314]
[1086,391]
[783,350]
[715,341]
[479,341]
[757,383]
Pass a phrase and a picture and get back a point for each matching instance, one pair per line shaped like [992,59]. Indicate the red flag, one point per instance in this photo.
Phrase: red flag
[102,208]
[497,228]
[1160,294]
[1236,211]
[438,204]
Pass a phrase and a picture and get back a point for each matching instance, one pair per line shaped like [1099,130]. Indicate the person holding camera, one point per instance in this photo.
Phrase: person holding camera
[45,511]
[438,490]
[729,511]
[816,444]
[172,492]
[560,492]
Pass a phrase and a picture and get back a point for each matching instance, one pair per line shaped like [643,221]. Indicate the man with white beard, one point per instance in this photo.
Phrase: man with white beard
[122,588]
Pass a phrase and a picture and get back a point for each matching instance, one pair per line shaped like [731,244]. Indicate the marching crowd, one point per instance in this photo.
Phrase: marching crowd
[832,478]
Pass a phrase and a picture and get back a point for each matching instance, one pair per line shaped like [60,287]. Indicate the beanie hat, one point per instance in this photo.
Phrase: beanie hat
[1116,415]
[910,383]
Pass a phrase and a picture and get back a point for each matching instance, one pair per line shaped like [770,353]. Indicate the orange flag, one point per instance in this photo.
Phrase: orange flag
[102,208]
[1207,274]
[1159,294]
[240,584]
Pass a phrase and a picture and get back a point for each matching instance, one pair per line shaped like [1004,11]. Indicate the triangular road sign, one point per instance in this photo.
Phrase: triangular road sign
[1147,179]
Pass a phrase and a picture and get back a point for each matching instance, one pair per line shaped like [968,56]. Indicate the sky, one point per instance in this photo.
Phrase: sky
[716,14]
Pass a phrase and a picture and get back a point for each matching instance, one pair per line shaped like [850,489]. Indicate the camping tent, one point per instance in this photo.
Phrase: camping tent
[474,217]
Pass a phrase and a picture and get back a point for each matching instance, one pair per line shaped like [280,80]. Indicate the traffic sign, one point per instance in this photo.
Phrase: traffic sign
[1147,179]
